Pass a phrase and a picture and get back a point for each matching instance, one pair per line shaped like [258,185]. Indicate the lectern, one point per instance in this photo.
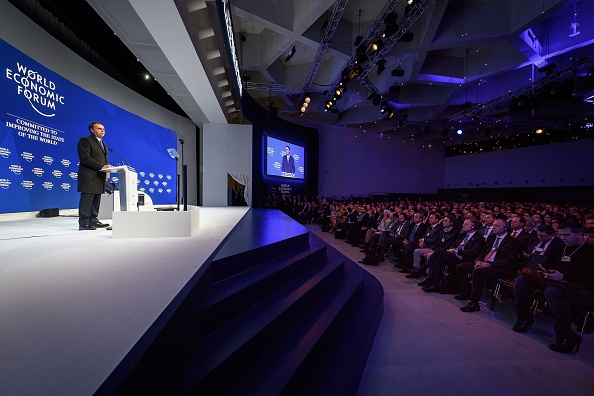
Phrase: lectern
[128,187]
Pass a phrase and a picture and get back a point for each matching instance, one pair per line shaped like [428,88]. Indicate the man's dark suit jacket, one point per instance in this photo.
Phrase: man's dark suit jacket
[507,252]
[432,235]
[472,248]
[288,166]
[554,242]
[92,159]
[418,233]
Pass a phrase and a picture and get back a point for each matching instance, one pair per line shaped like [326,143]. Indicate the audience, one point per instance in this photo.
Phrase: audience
[427,238]
[570,262]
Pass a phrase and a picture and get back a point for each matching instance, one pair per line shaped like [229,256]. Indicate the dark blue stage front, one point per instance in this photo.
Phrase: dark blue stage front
[275,311]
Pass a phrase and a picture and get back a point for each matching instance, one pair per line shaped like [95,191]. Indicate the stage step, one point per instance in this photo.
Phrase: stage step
[280,314]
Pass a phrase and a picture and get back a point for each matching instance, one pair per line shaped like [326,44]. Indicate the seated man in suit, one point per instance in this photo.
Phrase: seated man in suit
[397,230]
[411,242]
[467,248]
[446,236]
[537,251]
[570,262]
[429,236]
[516,230]
[589,235]
[498,259]
[487,225]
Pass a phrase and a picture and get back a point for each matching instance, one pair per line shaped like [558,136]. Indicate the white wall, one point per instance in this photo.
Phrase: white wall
[365,163]
[225,148]
[570,161]
[23,34]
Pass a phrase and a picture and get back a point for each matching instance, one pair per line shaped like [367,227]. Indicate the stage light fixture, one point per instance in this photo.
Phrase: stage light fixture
[376,45]
[377,99]
[390,30]
[293,50]
[539,131]
[361,58]
[398,72]
[459,132]
[371,95]
[548,69]
[381,66]
[406,37]
[307,99]
[391,18]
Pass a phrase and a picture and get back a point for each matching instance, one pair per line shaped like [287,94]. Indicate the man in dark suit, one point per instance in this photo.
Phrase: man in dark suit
[498,259]
[418,232]
[288,166]
[516,231]
[92,154]
[467,248]
[353,234]
[546,241]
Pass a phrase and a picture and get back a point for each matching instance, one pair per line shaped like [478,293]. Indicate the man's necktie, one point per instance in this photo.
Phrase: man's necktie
[493,250]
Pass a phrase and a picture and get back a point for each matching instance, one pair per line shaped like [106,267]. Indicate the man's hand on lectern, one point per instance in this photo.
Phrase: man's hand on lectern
[107,173]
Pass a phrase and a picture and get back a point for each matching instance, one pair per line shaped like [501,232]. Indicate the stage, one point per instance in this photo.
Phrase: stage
[73,303]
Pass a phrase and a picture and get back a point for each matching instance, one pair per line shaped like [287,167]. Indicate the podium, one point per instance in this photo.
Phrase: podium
[127,184]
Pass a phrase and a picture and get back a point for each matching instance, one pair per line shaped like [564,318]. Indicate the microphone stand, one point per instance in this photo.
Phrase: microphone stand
[122,160]
[325,174]
[184,178]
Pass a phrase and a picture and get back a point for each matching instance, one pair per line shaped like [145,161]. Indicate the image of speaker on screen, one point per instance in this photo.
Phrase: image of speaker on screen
[288,166]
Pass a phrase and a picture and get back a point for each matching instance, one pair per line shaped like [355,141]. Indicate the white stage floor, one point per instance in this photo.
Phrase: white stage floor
[73,303]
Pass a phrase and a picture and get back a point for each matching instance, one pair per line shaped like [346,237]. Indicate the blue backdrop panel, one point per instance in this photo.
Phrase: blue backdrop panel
[44,116]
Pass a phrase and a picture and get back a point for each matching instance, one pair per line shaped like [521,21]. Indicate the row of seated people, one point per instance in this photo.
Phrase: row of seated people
[479,252]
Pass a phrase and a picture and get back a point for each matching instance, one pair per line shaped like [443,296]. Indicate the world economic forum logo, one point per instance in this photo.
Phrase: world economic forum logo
[41,93]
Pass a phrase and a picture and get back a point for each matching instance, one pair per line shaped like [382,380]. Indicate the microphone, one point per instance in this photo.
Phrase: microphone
[122,160]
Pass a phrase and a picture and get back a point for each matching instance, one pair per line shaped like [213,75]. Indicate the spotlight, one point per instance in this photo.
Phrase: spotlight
[403,119]
[390,19]
[361,58]
[539,131]
[459,131]
[307,99]
[376,45]
[398,72]
[390,30]
[406,37]
[548,69]
[345,76]
[355,72]
[293,50]
[391,114]
[381,66]
[377,99]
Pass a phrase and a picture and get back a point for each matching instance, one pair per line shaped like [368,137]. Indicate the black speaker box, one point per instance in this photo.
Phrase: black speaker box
[50,212]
